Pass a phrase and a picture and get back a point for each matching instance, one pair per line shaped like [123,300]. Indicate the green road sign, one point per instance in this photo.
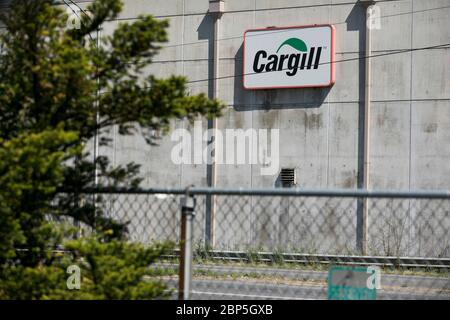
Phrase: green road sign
[349,283]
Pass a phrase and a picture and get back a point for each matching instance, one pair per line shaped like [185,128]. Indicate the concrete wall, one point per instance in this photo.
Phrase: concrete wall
[320,128]
[320,132]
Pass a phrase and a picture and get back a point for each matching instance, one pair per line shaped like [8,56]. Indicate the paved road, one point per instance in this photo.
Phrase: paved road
[229,289]
[303,284]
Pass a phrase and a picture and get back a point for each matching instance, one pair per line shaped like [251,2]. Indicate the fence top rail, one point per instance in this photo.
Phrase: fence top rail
[338,193]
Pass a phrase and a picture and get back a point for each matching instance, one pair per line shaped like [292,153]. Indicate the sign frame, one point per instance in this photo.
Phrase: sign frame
[356,292]
[332,56]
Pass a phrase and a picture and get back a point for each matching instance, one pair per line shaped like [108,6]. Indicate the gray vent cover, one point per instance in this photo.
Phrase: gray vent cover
[287,177]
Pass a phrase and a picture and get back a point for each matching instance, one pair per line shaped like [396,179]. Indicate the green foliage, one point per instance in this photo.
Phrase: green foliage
[59,87]
[18,282]
[118,270]
[31,169]
[112,270]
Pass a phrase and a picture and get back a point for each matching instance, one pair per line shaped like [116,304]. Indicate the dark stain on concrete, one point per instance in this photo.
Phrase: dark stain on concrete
[235,120]
[382,117]
[269,119]
[313,121]
[430,127]
[341,124]
[270,97]
[350,180]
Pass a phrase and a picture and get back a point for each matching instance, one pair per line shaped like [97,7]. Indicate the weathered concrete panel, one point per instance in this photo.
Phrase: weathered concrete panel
[390,146]
[395,26]
[238,5]
[430,74]
[231,90]
[193,173]
[293,17]
[233,38]
[269,4]
[349,22]
[391,77]
[430,22]
[134,8]
[303,144]
[197,33]
[196,6]
[343,145]
[233,174]
[430,149]
[197,72]
[348,79]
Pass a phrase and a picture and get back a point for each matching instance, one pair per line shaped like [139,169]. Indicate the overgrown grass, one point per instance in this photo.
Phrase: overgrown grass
[252,259]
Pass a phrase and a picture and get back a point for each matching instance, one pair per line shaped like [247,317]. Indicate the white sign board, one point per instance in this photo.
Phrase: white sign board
[290,57]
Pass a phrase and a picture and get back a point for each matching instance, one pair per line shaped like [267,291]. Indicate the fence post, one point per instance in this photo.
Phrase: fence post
[185,272]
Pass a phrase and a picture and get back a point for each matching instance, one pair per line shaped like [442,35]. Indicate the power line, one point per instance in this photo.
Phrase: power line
[260,9]
[323,63]
[70,7]
[269,9]
[263,9]
[79,8]
[334,62]
[281,31]
[89,34]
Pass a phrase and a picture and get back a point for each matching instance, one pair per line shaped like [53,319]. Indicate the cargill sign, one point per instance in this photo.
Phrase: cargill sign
[290,57]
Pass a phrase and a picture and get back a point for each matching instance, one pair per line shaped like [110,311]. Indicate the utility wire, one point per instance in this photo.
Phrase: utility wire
[281,31]
[81,9]
[278,31]
[89,34]
[261,9]
[325,63]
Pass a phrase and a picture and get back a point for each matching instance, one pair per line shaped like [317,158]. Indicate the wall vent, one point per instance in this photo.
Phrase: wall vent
[288,178]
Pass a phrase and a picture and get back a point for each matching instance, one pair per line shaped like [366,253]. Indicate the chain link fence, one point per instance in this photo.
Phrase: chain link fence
[281,243]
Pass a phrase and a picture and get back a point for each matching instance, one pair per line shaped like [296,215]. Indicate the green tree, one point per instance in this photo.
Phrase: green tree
[59,88]
[112,270]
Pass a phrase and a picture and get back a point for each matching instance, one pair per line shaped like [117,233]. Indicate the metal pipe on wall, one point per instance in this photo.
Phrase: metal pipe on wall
[367,112]
[216,8]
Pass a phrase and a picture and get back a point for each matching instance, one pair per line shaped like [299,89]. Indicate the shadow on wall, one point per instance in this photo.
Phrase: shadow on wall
[356,21]
[205,31]
[245,100]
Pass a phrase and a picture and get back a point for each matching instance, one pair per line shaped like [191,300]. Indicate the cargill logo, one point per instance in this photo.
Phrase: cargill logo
[263,62]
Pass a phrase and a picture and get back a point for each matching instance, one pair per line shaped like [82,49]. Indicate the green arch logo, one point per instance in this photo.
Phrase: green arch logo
[295,43]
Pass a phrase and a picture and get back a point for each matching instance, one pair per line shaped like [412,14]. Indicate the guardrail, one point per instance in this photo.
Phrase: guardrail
[326,259]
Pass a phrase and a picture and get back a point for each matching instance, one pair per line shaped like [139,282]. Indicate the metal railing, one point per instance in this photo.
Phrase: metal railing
[280,243]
